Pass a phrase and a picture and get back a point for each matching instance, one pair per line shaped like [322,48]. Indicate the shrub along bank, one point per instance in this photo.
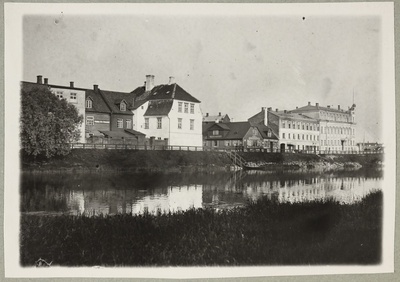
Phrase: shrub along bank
[98,159]
[261,233]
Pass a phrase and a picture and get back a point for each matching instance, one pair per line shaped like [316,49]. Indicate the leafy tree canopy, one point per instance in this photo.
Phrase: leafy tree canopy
[48,123]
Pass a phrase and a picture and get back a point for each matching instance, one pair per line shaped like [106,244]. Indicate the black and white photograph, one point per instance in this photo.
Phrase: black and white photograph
[199,140]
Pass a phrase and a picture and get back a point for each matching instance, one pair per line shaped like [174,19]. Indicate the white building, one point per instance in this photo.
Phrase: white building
[337,126]
[167,112]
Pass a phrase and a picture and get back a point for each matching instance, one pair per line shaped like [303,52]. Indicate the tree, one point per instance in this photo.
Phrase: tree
[48,124]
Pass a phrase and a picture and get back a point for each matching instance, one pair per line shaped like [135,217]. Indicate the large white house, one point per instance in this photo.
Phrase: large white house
[167,112]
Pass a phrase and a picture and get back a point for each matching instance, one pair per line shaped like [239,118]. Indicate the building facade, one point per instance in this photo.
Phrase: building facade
[296,132]
[337,126]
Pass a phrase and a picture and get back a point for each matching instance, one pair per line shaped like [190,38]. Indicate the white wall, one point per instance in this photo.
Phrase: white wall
[79,103]
[185,136]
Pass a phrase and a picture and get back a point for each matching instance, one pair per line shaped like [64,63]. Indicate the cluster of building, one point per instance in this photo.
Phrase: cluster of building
[166,114]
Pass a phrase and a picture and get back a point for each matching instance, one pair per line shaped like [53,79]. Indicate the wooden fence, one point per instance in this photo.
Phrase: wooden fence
[198,148]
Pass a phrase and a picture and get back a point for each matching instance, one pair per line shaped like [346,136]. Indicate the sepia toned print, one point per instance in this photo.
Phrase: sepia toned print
[176,139]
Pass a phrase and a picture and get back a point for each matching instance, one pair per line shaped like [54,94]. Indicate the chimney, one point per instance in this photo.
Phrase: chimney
[95,87]
[276,109]
[219,113]
[329,106]
[269,109]
[297,107]
[338,107]
[262,109]
[317,105]
[149,82]
[39,79]
[71,84]
[285,111]
[206,114]
[171,80]
[46,81]
[309,103]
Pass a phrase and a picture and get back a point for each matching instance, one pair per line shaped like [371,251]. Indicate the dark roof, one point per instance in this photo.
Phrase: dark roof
[311,108]
[292,115]
[98,105]
[34,84]
[162,92]
[134,132]
[118,134]
[114,98]
[237,130]
[214,118]
[159,108]
[264,131]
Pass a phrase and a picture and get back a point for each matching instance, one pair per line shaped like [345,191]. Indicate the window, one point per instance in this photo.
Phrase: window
[302,126]
[186,108]
[192,124]
[283,124]
[191,108]
[288,133]
[215,132]
[298,125]
[215,143]
[122,106]
[179,107]
[269,134]
[159,123]
[89,120]
[129,124]
[72,97]
[298,136]
[289,125]
[59,94]
[283,135]
[120,123]
[294,136]
[146,123]
[179,123]
[89,103]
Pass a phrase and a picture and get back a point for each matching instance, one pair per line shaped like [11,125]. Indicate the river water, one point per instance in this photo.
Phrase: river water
[113,193]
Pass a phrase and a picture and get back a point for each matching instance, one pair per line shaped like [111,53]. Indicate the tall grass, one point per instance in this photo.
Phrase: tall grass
[262,233]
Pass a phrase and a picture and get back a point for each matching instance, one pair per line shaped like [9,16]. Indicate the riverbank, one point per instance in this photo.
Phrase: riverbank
[130,160]
[261,233]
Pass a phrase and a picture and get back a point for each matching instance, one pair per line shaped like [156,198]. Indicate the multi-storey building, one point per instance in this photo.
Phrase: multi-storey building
[217,118]
[337,126]
[73,95]
[296,132]
[167,112]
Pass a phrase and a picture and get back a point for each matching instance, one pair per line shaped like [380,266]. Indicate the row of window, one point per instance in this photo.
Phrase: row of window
[120,122]
[300,125]
[300,136]
[159,123]
[337,130]
[185,107]
[337,117]
[72,96]
[337,143]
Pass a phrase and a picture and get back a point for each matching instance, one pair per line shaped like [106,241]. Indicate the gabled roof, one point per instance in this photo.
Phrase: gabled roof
[98,104]
[161,92]
[159,108]
[264,131]
[113,99]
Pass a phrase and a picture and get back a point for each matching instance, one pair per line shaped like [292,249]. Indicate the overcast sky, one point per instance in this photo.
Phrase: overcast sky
[233,64]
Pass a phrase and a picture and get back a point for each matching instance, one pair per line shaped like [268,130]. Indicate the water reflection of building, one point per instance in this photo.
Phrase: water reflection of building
[174,198]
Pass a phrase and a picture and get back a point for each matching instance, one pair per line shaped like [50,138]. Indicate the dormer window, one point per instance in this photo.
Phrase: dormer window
[122,106]
[89,103]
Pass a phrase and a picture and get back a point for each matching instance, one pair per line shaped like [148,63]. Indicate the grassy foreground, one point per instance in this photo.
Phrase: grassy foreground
[262,233]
